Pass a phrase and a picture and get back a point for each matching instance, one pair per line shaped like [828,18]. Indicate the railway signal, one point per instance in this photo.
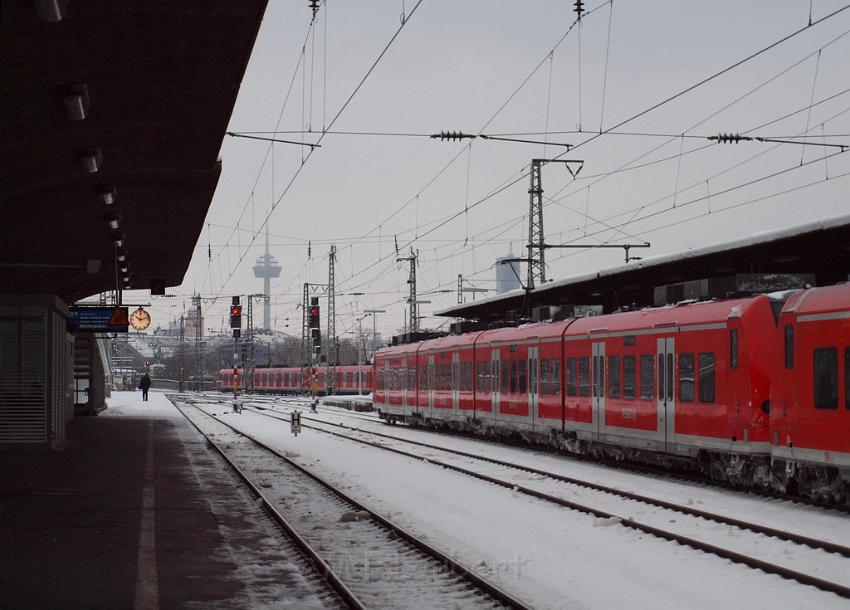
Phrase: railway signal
[235,316]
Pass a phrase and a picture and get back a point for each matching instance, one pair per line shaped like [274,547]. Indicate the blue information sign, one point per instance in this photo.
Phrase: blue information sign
[107,319]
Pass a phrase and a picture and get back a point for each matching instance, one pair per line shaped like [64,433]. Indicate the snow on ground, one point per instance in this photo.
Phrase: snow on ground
[130,404]
[780,514]
[273,573]
[548,555]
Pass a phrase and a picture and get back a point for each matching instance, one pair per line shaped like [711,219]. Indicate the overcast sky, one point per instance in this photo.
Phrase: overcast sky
[460,66]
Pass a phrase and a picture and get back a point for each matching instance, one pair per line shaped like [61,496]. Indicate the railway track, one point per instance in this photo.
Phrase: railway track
[367,559]
[745,528]
[627,466]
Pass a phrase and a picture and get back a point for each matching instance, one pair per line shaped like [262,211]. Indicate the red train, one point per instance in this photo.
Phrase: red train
[753,391]
[292,380]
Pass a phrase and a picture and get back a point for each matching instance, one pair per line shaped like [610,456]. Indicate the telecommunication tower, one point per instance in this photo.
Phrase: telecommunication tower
[267,268]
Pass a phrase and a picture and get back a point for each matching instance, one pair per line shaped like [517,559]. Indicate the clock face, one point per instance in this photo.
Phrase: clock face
[140,319]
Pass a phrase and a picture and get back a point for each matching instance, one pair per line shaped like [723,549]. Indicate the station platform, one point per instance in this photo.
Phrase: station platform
[135,511]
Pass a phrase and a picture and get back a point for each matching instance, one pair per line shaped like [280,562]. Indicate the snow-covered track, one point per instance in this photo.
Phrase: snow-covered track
[814,543]
[323,572]
[400,569]
[726,553]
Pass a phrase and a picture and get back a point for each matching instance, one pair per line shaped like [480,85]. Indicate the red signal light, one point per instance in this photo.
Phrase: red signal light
[314,311]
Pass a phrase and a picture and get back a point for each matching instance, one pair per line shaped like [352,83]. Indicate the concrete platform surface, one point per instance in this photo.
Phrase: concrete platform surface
[137,512]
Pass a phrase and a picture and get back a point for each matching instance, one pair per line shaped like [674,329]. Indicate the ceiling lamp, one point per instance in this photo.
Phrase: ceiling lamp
[113,219]
[51,11]
[92,159]
[118,238]
[125,268]
[122,254]
[107,194]
[76,101]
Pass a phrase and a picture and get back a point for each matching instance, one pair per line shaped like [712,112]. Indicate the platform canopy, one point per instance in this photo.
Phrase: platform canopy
[820,247]
[140,91]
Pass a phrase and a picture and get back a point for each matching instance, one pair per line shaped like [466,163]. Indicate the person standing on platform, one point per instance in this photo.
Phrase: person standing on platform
[145,385]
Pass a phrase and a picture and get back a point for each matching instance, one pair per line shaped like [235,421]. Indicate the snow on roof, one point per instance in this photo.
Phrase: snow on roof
[761,237]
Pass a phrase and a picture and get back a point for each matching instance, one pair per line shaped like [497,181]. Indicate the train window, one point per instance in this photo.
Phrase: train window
[613,376]
[571,377]
[599,376]
[629,377]
[661,384]
[686,377]
[847,377]
[522,365]
[555,369]
[647,377]
[544,376]
[789,346]
[584,376]
[706,377]
[506,376]
[826,378]
[514,376]
[670,376]
[733,348]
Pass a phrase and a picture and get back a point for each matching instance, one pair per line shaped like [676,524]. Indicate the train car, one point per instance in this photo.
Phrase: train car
[518,379]
[395,378]
[810,395]
[449,397]
[291,380]
[689,382]
[354,379]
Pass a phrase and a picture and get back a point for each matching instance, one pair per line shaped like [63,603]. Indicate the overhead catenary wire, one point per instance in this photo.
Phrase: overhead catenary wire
[330,125]
[466,208]
[666,100]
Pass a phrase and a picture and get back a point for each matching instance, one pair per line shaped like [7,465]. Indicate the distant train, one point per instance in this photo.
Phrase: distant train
[754,391]
[294,380]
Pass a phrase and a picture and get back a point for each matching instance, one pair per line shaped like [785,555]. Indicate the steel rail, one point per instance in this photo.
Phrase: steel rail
[456,567]
[814,543]
[322,567]
[734,556]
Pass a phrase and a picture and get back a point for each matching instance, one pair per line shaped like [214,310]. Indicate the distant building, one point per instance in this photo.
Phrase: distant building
[507,274]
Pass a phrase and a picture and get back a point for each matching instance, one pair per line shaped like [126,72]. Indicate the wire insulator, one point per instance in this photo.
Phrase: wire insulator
[314,6]
[579,8]
[452,135]
[729,138]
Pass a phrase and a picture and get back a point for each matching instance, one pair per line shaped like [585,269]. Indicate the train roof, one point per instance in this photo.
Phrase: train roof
[450,342]
[684,314]
[824,299]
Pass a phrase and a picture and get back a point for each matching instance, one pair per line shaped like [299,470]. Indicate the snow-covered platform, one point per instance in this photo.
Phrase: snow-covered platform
[352,403]
[136,511]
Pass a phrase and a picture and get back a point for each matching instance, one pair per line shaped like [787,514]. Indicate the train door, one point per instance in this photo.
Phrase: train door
[455,382]
[532,385]
[666,386]
[387,384]
[495,382]
[403,375]
[430,385]
[598,382]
